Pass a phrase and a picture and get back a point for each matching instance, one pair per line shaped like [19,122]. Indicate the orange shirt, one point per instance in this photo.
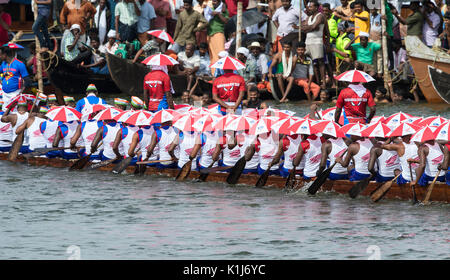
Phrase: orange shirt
[70,15]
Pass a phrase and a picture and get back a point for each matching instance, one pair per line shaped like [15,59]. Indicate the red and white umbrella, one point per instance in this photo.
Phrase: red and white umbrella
[397,118]
[186,122]
[228,63]
[241,123]
[206,123]
[164,115]
[223,121]
[139,117]
[200,111]
[271,112]
[424,134]
[443,132]
[159,59]
[21,98]
[329,128]
[63,114]
[121,117]
[404,129]
[355,76]
[376,119]
[263,125]
[282,126]
[432,121]
[353,129]
[303,126]
[376,130]
[329,114]
[89,109]
[108,114]
[161,34]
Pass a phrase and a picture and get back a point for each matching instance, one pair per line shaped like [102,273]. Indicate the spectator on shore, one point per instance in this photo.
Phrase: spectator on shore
[286,20]
[111,45]
[40,25]
[189,64]
[250,66]
[303,74]
[340,51]
[260,60]
[283,61]
[5,24]
[189,22]
[153,46]
[216,17]
[98,63]
[364,51]
[146,21]
[430,30]
[162,10]
[205,61]
[361,18]
[127,15]
[414,21]
[445,36]
[102,21]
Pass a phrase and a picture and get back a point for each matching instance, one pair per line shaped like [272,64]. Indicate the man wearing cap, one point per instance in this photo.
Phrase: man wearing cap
[365,52]
[72,43]
[70,101]
[189,63]
[91,98]
[250,66]
[261,61]
[120,103]
[17,120]
[157,90]
[111,46]
[228,90]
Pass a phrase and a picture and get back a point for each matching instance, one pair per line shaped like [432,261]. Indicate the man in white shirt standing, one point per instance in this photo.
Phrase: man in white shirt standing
[431,24]
[286,20]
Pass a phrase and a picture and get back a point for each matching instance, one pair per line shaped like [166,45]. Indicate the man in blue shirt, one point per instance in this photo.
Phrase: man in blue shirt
[91,98]
[14,75]
[145,21]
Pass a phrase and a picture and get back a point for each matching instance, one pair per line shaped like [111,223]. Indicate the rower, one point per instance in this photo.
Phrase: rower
[267,146]
[65,132]
[136,103]
[231,152]
[359,151]
[91,98]
[48,129]
[13,73]
[107,133]
[87,130]
[290,148]
[446,163]
[70,101]
[206,147]
[431,155]
[160,143]
[332,148]
[5,133]
[407,152]
[17,120]
[140,145]
[228,91]
[245,142]
[354,100]
[311,150]
[33,128]
[157,89]
[120,103]
[186,140]
[387,161]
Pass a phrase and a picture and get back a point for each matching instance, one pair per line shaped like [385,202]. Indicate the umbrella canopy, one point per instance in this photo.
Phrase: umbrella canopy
[442,132]
[404,129]
[376,119]
[222,122]
[376,130]
[206,122]
[329,128]
[164,115]
[355,76]
[108,114]
[139,117]
[353,129]
[159,59]
[63,114]
[432,121]
[329,114]
[161,34]
[13,46]
[263,125]
[186,122]
[121,117]
[89,109]
[228,63]
[395,119]
[424,134]
[303,126]
[19,99]
[241,123]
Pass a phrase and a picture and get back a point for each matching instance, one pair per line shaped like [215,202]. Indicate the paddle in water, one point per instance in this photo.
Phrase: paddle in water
[289,185]
[121,166]
[413,187]
[102,163]
[322,178]
[381,191]
[184,171]
[263,179]
[213,169]
[360,186]
[15,148]
[202,177]
[236,171]
[430,189]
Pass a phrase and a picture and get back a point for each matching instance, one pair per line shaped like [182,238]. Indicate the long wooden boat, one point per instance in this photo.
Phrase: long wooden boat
[71,79]
[421,58]
[441,191]
[441,82]
[129,77]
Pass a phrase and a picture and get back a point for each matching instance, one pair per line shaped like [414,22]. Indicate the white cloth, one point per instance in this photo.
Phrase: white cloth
[208,11]
[7,96]
[100,22]
[287,65]
[358,89]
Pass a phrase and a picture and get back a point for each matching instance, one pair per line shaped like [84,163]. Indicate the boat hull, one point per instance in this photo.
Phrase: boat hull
[441,191]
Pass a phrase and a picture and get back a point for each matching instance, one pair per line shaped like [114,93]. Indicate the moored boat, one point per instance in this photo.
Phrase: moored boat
[421,58]
[441,191]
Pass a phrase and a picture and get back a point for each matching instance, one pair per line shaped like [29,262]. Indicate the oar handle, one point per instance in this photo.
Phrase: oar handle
[430,188]
[152,161]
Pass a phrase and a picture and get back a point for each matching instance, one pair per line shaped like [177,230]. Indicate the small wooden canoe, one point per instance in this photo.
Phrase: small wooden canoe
[441,191]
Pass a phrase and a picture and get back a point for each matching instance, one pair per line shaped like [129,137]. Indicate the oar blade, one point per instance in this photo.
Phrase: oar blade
[79,164]
[290,180]
[184,172]
[121,166]
[15,147]
[359,187]
[380,192]
[101,164]
[236,171]
[263,179]
[320,180]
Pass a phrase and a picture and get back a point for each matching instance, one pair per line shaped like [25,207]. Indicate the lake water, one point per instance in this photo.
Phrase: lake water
[50,213]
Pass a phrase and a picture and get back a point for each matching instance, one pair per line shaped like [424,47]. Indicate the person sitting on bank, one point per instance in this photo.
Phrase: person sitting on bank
[253,100]
[111,45]
[365,52]
[189,64]
[284,62]
[153,46]
[74,51]
[98,62]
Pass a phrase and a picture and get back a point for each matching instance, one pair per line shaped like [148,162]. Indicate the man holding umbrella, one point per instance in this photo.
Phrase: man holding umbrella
[355,98]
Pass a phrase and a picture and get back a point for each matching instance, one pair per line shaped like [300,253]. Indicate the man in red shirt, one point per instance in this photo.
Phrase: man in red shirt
[354,100]
[157,90]
[228,90]
[5,24]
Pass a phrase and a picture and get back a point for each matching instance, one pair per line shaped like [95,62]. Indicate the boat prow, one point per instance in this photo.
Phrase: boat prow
[441,82]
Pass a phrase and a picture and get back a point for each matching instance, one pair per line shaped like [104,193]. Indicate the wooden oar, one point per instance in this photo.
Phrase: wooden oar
[152,161]
[102,163]
[360,186]
[202,177]
[430,189]
[121,166]
[381,191]
[81,163]
[213,169]
[290,179]
[322,178]
[42,151]
[236,171]
[15,147]
[184,171]
[413,187]
[263,179]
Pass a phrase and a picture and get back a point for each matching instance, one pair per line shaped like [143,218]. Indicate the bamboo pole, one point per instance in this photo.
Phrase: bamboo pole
[300,21]
[386,75]
[238,26]
[38,55]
